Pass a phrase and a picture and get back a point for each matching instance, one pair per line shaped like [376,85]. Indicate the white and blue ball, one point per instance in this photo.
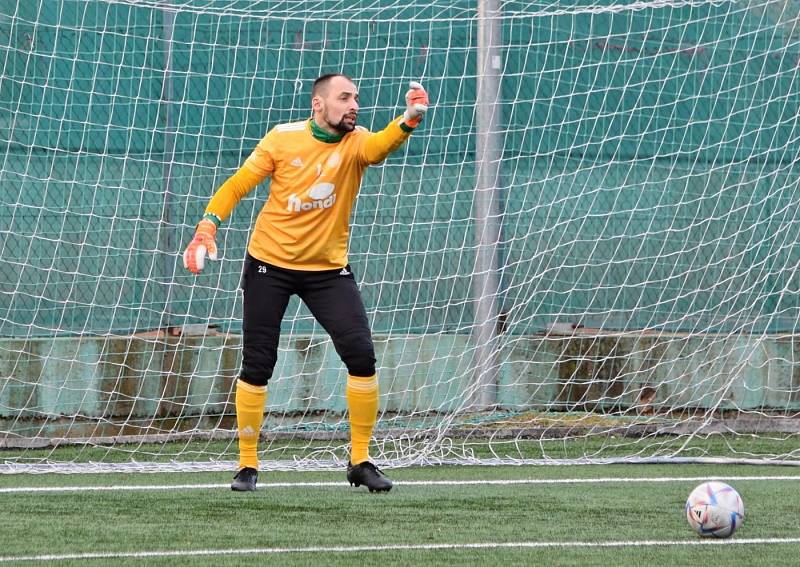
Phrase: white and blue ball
[715,509]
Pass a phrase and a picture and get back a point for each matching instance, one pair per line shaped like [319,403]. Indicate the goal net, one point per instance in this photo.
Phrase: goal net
[589,252]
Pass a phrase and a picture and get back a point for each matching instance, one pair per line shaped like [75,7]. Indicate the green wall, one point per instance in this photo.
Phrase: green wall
[649,177]
[104,387]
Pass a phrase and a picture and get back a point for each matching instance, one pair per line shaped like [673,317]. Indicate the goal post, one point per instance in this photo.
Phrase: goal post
[589,252]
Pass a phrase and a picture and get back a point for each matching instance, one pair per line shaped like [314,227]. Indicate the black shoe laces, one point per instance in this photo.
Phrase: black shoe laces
[369,465]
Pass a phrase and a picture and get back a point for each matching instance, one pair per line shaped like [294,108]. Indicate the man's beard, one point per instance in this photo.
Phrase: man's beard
[342,126]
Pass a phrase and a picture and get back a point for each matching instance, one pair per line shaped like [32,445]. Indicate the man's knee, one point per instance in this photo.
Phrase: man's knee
[257,366]
[358,353]
[259,355]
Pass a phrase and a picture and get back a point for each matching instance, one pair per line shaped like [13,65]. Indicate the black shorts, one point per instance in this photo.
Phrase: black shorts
[333,298]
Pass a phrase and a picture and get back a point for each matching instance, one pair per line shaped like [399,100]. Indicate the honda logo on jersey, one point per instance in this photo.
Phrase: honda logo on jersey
[320,196]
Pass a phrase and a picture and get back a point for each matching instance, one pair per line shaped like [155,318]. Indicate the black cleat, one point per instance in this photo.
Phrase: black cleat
[245,480]
[369,475]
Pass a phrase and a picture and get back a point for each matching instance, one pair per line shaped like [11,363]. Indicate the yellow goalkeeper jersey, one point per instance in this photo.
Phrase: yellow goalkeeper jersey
[305,223]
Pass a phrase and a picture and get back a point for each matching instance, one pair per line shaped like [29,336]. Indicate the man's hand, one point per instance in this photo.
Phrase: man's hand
[194,258]
[416,104]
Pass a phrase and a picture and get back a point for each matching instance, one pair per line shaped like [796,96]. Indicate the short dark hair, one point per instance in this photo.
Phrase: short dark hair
[323,80]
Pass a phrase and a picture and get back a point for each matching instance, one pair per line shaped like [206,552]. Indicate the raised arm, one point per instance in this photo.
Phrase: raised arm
[380,144]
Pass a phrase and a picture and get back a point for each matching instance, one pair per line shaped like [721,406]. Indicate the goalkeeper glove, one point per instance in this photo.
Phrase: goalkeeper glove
[194,258]
[416,104]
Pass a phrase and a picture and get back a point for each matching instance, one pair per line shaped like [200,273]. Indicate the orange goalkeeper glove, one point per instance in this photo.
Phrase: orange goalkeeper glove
[416,104]
[194,258]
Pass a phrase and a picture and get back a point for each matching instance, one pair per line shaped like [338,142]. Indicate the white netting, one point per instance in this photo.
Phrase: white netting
[600,263]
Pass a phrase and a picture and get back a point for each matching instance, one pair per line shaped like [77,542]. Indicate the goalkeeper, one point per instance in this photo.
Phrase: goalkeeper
[299,246]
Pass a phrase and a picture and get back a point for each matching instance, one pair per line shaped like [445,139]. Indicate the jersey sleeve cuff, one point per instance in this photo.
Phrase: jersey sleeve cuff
[213,218]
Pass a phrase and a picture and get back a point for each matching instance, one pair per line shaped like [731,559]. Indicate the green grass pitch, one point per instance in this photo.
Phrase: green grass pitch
[309,524]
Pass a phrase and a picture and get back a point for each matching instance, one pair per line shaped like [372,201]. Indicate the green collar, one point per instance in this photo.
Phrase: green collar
[324,136]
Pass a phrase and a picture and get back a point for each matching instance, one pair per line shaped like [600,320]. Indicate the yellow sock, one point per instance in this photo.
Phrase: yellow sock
[250,402]
[362,404]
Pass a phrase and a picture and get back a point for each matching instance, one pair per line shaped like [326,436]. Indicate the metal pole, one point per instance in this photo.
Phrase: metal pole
[168,226]
[488,152]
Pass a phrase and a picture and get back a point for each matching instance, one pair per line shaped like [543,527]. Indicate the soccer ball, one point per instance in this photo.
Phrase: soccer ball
[714,509]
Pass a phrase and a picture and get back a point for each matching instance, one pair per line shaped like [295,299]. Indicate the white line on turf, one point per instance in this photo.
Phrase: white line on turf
[343,484]
[397,547]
